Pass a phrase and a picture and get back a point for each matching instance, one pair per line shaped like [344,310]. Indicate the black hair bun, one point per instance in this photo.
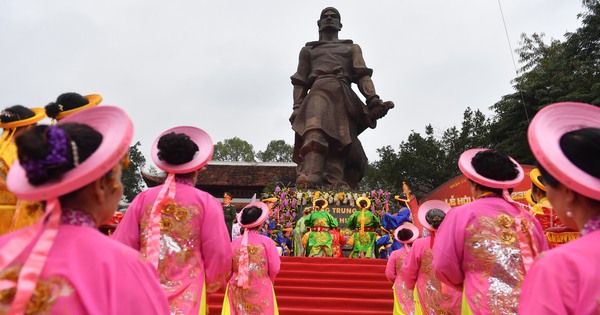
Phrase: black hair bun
[176,148]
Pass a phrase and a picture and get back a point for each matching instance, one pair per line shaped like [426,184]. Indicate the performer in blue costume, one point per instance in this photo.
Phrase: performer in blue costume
[383,244]
[391,222]
[284,241]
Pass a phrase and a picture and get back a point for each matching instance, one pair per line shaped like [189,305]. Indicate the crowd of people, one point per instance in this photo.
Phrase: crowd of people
[177,243]
[364,236]
[492,255]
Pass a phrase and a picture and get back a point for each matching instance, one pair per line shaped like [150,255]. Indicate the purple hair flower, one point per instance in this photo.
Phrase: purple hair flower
[58,145]
[373,193]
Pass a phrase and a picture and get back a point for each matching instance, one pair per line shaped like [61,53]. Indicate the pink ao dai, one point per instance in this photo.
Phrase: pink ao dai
[393,272]
[264,266]
[194,244]
[86,272]
[477,247]
[565,280]
[434,296]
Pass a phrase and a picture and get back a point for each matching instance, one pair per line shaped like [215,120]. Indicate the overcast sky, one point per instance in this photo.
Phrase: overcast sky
[224,66]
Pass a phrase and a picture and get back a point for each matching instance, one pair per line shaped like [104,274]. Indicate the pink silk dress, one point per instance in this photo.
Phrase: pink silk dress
[86,272]
[566,279]
[194,244]
[434,296]
[393,272]
[477,250]
[265,263]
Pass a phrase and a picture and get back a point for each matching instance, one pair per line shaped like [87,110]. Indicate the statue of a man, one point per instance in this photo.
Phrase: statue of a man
[328,116]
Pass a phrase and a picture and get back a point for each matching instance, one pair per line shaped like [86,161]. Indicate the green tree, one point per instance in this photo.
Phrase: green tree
[589,3]
[276,151]
[234,150]
[132,180]
[419,162]
[382,173]
[426,161]
[474,133]
[550,73]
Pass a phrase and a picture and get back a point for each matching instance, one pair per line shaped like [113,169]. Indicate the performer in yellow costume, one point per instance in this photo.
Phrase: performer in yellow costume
[14,120]
[556,232]
[27,212]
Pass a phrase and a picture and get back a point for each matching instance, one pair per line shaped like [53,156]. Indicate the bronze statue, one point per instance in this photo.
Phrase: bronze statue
[328,116]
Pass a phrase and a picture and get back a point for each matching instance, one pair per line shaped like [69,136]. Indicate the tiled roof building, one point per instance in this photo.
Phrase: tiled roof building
[242,179]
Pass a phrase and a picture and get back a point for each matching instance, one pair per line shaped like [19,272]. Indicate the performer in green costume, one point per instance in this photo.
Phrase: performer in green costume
[319,222]
[364,222]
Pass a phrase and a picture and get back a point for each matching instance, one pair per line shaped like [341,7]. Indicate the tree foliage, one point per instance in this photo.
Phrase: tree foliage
[276,151]
[426,161]
[131,177]
[589,3]
[234,150]
[551,72]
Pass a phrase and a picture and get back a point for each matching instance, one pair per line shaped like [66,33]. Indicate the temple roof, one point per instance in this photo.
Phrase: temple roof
[242,179]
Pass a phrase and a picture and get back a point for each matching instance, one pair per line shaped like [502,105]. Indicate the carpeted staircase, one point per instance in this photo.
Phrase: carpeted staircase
[328,286]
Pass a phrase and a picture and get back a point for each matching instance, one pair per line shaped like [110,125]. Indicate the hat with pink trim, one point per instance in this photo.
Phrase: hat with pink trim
[430,205]
[261,218]
[117,132]
[202,157]
[466,167]
[408,226]
[168,191]
[544,133]
[244,261]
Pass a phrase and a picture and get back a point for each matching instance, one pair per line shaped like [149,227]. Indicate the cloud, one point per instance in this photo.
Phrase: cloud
[224,66]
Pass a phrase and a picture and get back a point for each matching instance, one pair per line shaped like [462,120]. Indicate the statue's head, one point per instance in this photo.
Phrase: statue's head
[330,19]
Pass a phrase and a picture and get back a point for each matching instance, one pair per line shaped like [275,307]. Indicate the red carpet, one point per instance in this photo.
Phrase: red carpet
[328,286]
